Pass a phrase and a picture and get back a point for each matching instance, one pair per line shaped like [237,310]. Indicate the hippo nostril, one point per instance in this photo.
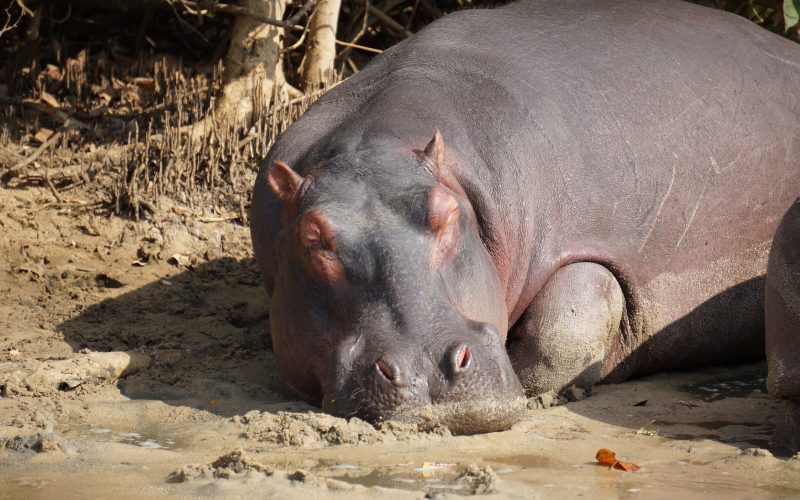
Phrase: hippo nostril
[385,369]
[462,357]
[392,373]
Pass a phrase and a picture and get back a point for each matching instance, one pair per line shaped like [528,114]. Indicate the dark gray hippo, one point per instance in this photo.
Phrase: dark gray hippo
[782,308]
[599,203]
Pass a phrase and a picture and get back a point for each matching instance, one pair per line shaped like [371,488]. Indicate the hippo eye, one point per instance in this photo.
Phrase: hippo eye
[320,247]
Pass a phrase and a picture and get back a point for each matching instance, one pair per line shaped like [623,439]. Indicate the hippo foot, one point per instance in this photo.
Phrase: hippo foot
[787,429]
[563,337]
[782,308]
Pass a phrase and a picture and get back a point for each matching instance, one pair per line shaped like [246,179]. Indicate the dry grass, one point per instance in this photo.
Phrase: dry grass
[130,160]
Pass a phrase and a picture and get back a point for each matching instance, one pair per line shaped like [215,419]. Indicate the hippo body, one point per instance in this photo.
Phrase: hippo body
[599,204]
[782,308]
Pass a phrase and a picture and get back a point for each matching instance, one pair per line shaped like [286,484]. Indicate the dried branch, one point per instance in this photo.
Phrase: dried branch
[305,9]
[360,47]
[10,23]
[36,154]
[242,11]
[388,21]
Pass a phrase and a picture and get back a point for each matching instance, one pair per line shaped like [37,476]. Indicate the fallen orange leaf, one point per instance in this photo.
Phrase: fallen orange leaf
[608,457]
[627,466]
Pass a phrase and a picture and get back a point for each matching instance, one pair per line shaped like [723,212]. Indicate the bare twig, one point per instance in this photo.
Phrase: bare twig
[181,20]
[345,54]
[237,10]
[360,47]
[388,21]
[36,154]
[9,24]
[241,11]
[25,8]
[413,14]
[306,8]
[52,186]
[299,41]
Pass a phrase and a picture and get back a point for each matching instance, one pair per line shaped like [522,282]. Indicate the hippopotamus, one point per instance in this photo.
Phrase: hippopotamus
[521,199]
[782,315]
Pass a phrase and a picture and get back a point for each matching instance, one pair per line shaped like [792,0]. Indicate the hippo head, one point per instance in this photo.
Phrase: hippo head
[386,304]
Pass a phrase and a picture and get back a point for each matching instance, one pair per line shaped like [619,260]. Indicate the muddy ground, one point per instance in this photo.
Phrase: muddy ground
[135,363]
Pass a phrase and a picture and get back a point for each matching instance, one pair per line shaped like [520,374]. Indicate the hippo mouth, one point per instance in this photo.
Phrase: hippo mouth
[460,413]
[464,416]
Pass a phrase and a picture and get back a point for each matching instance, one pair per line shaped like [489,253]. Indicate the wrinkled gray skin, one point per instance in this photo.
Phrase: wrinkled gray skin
[618,170]
[782,308]
[782,313]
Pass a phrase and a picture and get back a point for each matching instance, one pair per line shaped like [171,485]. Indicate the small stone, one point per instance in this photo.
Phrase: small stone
[299,475]
[544,400]
[478,478]
[189,472]
[38,443]
[574,393]
[756,452]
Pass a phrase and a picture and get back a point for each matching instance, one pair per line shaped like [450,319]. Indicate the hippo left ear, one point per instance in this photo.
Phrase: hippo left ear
[435,150]
[283,180]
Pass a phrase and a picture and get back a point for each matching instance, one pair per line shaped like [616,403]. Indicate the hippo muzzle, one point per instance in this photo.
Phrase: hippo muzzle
[462,380]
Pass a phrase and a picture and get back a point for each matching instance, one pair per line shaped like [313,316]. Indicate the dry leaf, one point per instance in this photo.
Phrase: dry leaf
[43,134]
[626,466]
[49,99]
[53,72]
[608,457]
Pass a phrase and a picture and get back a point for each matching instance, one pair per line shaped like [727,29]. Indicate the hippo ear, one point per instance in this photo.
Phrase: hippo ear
[435,149]
[283,181]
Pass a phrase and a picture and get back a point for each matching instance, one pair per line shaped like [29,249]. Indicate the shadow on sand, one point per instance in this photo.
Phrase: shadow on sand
[206,330]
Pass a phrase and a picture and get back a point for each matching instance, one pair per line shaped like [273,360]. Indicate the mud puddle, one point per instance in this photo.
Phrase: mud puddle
[752,381]
[151,438]
[424,477]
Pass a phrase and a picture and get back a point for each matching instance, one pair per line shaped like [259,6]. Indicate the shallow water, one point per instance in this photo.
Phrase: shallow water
[691,447]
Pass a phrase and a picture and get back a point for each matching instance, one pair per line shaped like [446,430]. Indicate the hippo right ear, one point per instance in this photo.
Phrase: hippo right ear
[283,181]
[435,150]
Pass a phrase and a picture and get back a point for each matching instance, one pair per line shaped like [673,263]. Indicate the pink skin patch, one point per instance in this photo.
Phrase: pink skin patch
[443,217]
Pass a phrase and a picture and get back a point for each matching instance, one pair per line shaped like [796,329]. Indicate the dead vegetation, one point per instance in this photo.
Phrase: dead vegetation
[175,99]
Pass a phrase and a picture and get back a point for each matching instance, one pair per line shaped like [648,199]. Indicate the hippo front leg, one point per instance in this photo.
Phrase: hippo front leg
[564,335]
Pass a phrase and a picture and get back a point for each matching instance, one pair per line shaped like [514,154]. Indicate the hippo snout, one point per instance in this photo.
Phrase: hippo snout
[466,384]
[456,363]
